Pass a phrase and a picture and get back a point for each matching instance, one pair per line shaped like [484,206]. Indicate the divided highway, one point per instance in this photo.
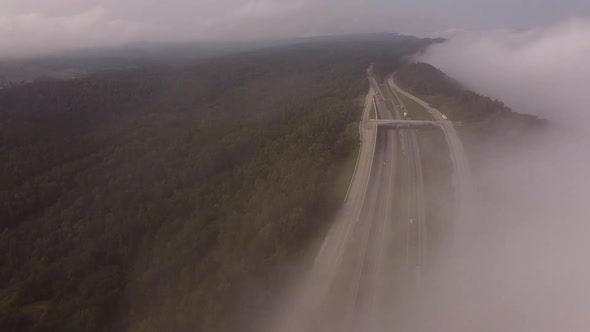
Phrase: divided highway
[462,175]
[349,287]
[417,235]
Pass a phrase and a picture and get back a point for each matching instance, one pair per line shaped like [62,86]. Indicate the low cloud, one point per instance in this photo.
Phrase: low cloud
[34,32]
[33,26]
[540,71]
[522,264]
[29,28]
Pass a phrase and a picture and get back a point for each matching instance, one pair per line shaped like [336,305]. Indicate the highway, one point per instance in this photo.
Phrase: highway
[349,286]
[417,244]
[461,172]
[334,278]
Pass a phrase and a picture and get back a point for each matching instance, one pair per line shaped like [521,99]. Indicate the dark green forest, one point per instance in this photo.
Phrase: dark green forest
[443,92]
[169,199]
[484,123]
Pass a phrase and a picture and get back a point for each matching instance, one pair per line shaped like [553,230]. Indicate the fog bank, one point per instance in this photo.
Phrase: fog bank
[523,265]
[544,72]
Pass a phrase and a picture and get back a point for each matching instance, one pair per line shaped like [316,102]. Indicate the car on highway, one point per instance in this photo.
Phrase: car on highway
[411,221]
[444,117]
[405,114]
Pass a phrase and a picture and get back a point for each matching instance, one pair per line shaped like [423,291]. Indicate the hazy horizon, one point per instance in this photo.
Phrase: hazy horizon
[37,27]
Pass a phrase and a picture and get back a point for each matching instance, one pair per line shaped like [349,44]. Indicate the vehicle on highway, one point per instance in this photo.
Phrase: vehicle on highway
[405,114]
[444,117]
[411,221]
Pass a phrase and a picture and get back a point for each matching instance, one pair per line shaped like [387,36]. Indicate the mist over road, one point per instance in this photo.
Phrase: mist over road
[367,275]
[523,263]
[355,279]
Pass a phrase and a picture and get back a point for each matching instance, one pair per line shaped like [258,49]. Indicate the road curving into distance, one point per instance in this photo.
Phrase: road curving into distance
[417,243]
[462,182]
[349,287]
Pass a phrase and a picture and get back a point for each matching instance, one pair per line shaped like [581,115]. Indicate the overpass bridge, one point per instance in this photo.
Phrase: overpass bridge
[405,123]
[348,286]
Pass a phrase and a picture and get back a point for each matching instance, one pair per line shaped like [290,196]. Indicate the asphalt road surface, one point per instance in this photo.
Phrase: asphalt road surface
[417,243]
[462,176]
[349,287]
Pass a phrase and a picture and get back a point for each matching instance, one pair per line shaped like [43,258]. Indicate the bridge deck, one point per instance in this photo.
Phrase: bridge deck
[404,123]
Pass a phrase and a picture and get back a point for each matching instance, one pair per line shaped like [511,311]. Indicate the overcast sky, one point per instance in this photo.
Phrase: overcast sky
[46,25]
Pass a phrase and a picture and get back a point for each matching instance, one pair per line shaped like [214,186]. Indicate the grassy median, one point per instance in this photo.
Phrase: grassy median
[415,110]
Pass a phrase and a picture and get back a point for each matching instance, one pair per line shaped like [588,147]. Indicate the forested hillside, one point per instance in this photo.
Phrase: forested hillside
[456,101]
[485,123]
[162,199]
